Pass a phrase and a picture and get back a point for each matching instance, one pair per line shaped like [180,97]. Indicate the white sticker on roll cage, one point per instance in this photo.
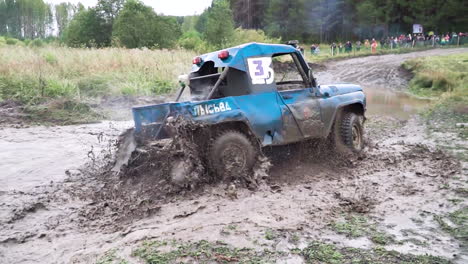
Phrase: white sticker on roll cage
[260,70]
[209,109]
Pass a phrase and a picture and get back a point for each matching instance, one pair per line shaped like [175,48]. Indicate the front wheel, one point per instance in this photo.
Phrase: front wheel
[231,155]
[351,132]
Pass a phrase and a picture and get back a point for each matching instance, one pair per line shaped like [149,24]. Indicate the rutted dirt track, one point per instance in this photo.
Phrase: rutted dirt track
[55,207]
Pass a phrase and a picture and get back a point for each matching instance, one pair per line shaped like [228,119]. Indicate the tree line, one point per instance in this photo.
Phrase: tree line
[331,20]
[132,24]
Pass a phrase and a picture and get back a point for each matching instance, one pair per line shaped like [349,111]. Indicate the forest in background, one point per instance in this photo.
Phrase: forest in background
[132,24]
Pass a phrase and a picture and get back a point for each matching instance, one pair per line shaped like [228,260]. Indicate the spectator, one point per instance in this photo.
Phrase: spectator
[333,48]
[358,45]
[443,41]
[374,46]
[340,47]
[367,44]
[312,49]
[348,46]
[317,50]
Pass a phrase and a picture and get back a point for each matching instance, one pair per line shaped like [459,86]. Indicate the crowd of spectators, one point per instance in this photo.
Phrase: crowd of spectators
[394,42]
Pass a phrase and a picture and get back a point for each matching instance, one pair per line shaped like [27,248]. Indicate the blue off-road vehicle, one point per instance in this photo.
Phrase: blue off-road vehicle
[256,95]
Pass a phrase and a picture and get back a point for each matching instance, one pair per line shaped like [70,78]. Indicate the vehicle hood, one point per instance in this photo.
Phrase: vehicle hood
[337,89]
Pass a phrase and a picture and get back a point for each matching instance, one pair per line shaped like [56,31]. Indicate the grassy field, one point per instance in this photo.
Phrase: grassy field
[444,79]
[58,82]
[36,74]
[440,76]
[32,75]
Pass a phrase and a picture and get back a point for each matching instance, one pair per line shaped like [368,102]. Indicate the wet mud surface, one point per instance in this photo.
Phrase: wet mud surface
[60,201]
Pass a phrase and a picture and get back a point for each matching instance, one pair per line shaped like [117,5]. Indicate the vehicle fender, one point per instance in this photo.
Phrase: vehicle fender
[231,120]
[338,108]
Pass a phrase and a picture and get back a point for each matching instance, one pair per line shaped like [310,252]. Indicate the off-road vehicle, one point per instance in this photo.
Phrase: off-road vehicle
[252,96]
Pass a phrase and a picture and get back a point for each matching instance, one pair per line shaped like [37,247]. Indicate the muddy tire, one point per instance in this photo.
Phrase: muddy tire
[349,134]
[231,155]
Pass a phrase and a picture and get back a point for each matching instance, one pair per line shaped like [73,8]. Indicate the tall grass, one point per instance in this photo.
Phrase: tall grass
[34,74]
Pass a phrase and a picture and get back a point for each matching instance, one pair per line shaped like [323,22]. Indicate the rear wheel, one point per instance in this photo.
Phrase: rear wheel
[350,133]
[231,155]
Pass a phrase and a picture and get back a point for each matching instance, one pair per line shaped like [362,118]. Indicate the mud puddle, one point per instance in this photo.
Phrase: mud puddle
[393,103]
[35,156]
[401,176]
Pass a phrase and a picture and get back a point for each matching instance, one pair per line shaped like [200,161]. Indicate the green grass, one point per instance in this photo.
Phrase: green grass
[353,226]
[359,226]
[327,253]
[319,252]
[110,257]
[270,234]
[459,224]
[199,252]
[177,251]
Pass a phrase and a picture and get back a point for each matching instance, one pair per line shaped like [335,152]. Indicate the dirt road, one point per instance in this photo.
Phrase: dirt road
[404,186]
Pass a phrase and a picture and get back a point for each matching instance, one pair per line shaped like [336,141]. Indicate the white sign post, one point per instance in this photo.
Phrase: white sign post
[417,29]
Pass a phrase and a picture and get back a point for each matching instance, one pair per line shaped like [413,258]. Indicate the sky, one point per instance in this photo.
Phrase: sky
[166,7]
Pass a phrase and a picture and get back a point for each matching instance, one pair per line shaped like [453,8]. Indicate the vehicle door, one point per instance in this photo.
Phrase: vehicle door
[299,104]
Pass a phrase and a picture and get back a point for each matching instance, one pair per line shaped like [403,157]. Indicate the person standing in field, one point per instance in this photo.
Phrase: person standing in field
[312,49]
[358,45]
[340,47]
[367,44]
[317,49]
[374,46]
[348,46]
[333,48]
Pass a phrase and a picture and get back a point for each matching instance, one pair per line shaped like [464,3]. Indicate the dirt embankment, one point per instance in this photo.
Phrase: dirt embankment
[377,71]
[56,209]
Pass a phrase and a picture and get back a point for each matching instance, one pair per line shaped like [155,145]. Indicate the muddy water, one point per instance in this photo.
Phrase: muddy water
[35,156]
[381,102]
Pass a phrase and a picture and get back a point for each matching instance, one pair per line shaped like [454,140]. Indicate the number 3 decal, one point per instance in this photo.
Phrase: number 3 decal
[260,70]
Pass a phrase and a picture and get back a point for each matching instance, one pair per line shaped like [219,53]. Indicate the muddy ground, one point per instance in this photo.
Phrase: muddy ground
[56,205]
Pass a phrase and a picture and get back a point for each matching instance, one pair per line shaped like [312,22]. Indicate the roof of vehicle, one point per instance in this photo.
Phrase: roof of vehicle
[238,54]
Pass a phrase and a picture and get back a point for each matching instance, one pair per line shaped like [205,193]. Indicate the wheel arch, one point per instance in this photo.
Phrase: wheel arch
[242,126]
[357,107]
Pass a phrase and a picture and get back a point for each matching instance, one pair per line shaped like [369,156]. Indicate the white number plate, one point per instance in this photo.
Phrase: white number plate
[209,109]
[260,70]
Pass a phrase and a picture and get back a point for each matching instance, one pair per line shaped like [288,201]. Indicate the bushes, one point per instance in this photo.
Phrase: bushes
[11,41]
[36,43]
[192,40]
